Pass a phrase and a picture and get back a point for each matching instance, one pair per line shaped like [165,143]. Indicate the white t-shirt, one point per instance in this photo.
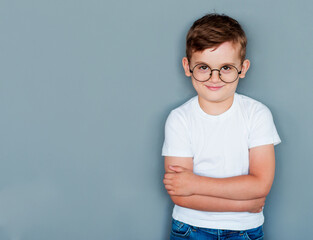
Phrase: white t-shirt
[219,146]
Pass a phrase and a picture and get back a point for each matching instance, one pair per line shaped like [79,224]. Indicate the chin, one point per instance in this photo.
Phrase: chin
[216,98]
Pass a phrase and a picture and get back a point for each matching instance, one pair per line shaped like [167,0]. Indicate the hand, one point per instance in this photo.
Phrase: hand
[257,205]
[181,182]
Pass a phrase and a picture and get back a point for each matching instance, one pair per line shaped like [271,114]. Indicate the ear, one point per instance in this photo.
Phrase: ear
[244,69]
[186,67]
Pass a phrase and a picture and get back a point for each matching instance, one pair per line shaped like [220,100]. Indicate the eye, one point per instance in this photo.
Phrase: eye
[226,68]
[203,67]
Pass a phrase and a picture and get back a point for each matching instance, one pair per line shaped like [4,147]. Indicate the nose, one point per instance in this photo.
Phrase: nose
[215,77]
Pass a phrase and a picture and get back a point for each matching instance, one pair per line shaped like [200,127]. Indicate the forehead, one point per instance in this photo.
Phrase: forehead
[227,52]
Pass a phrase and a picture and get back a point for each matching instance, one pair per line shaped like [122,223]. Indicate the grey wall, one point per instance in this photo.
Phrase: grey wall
[85,89]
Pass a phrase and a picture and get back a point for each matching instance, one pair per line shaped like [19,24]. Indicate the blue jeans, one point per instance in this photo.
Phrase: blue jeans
[181,231]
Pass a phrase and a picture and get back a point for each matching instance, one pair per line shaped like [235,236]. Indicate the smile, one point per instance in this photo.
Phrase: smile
[214,88]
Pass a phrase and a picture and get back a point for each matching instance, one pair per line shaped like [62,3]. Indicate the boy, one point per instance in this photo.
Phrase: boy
[219,145]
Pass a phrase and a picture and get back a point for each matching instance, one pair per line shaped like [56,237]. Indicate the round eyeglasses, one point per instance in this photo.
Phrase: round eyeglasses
[202,73]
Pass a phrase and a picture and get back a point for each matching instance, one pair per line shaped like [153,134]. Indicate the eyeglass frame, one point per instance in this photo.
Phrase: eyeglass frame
[215,69]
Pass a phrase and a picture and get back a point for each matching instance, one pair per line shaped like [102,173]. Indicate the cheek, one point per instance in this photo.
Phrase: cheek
[234,85]
[231,88]
[196,84]
[197,87]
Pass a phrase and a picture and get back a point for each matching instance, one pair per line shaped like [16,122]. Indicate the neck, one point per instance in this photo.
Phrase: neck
[216,108]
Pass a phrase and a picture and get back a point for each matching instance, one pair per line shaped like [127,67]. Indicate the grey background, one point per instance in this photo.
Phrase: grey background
[85,89]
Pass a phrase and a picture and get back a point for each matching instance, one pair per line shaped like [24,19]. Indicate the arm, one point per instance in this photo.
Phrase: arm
[207,203]
[256,184]
[212,204]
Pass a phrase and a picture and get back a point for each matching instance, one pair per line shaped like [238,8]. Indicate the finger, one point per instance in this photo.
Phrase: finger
[177,168]
[171,192]
[169,187]
[258,210]
[168,175]
[167,181]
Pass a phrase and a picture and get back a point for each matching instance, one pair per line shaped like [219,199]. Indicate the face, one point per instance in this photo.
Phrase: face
[214,90]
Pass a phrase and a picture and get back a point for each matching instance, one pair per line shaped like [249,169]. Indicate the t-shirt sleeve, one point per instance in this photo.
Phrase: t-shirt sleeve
[177,141]
[262,130]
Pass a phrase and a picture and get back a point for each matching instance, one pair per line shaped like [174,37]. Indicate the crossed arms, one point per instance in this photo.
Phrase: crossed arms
[245,193]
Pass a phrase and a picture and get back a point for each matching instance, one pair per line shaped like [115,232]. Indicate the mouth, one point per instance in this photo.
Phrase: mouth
[214,88]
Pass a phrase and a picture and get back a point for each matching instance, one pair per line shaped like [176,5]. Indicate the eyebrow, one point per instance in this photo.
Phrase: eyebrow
[223,64]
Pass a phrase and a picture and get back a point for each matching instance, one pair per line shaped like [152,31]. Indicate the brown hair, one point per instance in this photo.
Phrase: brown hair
[211,31]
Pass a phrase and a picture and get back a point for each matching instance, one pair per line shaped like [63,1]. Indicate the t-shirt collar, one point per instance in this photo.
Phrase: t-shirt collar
[220,116]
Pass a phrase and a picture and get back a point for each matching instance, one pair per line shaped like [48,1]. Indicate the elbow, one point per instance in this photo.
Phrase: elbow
[262,186]
[262,193]
[264,190]
[177,200]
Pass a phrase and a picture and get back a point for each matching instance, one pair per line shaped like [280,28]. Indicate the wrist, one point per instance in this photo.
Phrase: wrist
[197,185]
